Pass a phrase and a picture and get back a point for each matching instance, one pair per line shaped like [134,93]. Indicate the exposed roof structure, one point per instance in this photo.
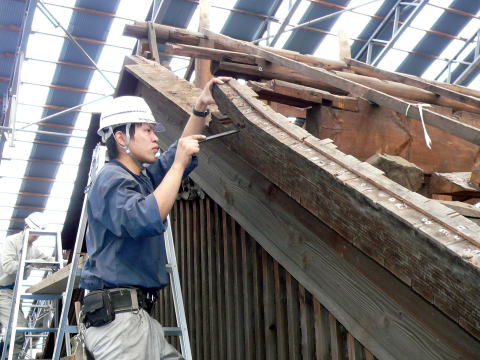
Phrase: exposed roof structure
[436,39]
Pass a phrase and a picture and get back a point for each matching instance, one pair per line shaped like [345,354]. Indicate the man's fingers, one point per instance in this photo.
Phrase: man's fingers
[197,137]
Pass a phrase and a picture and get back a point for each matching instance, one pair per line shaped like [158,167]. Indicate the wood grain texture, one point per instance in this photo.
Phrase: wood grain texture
[356,289]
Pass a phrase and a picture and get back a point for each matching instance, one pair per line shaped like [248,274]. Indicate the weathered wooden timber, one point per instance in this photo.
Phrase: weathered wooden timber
[172,34]
[451,183]
[299,95]
[368,224]
[399,170]
[438,89]
[456,128]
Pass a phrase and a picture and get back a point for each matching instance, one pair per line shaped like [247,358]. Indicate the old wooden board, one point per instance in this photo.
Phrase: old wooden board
[449,183]
[375,129]
[414,81]
[354,288]
[56,283]
[278,149]
[456,128]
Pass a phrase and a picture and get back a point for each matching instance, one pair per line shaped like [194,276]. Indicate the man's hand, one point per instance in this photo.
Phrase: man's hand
[187,147]
[206,97]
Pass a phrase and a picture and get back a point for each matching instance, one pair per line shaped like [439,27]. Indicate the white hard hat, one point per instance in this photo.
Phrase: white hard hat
[36,221]
[125,110]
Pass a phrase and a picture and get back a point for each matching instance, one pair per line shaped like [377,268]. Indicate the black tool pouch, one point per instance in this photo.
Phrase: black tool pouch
[97,309]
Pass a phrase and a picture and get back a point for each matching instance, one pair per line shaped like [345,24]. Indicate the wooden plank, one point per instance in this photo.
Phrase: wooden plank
[205,294]
[306,323]
[293,317]
[247,284]
[414,81]
[475,177]
[335,340]
[212,281]
[270,325]
[237,291]
[463,131]
[196,279]
[280,311]
[56,282]
[355,288]
[260,352]
[322,331]
[228,286]
[222,308]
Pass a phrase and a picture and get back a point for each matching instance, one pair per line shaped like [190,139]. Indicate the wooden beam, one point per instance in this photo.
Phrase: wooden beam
[202,66]
[182,36]
[152,42]
[463,208]
[456,128]
[212,54]
[349,284]
[450,183]
[269,71]
[369,70]
[306,94]
[344,45]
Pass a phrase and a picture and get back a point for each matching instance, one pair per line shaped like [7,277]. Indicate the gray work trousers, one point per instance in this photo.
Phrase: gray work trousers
[5,308]
[132,335]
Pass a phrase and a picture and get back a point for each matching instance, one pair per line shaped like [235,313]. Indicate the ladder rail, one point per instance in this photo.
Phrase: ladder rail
[18,292]
[177,293]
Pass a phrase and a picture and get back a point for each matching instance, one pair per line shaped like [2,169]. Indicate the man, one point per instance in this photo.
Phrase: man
[10,257]
[127,208]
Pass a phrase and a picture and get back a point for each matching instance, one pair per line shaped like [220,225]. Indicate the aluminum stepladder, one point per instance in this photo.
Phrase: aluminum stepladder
[98,160]
[19,292]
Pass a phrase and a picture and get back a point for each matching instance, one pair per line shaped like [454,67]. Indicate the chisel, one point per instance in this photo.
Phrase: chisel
[219,135]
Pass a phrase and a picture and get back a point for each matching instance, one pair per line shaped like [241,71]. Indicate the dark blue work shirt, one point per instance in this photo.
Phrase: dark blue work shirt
[125,239]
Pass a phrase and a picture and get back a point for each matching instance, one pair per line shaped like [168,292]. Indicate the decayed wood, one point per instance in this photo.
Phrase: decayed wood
[369,70]
[463,131]
[398,169]
[297,95]
[450,183]
[356,287]
[56,282]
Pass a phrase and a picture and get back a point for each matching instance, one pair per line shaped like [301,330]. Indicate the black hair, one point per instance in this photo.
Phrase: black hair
[112,149]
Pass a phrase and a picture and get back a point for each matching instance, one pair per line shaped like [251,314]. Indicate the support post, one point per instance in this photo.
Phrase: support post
[202,66]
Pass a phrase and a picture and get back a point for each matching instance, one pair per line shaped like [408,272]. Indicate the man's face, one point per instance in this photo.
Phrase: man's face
[144,143]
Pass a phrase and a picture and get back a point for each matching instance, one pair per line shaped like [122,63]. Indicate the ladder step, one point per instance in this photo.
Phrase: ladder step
[41,296]
[41,262]
[172,331]
[69,329]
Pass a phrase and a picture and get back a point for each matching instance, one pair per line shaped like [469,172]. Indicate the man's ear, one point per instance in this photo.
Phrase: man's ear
[120,138]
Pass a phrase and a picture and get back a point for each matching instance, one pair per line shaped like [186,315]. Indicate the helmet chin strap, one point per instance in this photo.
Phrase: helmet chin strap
[127,149]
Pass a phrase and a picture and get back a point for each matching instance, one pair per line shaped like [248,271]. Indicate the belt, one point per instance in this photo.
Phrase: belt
[4,287]
[127,299]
